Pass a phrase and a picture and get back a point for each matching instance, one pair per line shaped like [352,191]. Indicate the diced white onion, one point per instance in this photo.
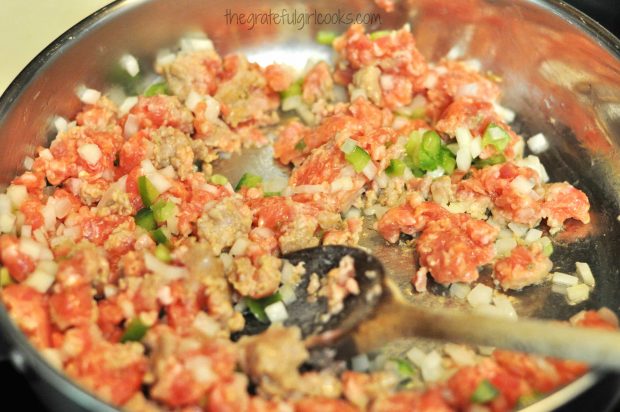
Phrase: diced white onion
[479,295]
[60,124]
[127,105]
[189,44]
[518,229]
[356,93]
[5,203]
[399,122]
[382,180]
[585,273]
[40,281]
[130,64]
[578,293]
[159,181]
[147,166]
[506,114]
[309,189]
[206,324]
[416,356]
[380,210]
[348,146]
[240,246]
[433,174]
[210,188]
[168,171]
[276,312]
[288,294]
[533,162]
[291,103]
[460,290]
[89,96]
[49,215]
[431,367]
[463,159]
[475,147]
[275,185]
[460,354]
[164,58]
[39,236]
[132,125]
[538,143]
[522,185]
[212,112]
[533,235]
[28,163]
[343,183]
[504,307]
[263,232]
[467,90]
[559,278]
[90,152]
[168,272]
[192,100]
[505,245]
[370,170]
[360,363]
[353,212]
[7,222]
[30,247]
[18,194]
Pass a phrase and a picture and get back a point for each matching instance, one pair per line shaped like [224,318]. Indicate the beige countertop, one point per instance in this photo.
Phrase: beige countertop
[27,26]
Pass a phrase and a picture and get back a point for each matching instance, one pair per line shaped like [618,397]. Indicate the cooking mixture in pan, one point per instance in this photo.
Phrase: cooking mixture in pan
[130,262]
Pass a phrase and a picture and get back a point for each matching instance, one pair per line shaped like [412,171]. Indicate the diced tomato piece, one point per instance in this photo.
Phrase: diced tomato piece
[18,263]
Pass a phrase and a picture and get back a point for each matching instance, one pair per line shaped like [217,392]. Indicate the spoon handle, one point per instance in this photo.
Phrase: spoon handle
[397,319]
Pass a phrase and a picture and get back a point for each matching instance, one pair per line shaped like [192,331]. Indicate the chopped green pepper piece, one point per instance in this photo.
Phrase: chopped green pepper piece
[490,161]
[162,210]
[358,158]
[412,166]
[495,136]
[257,306]
[5,277]
[160,236]
[162,253]
[326,37]
[429,151]
[293,90]
[403,367]
[157,88]
[219,180]
[248,180]
[485,392]
[134,331]
[300,146]
[378,34]
[447,160]
[547,246]
[147,191]
[396,168]
[271,194]
[145,219]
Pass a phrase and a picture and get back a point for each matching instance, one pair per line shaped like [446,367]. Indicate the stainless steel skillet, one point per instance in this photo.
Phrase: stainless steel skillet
[561,71]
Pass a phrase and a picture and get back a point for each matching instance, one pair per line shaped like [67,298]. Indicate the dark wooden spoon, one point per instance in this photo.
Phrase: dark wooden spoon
[380,314]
